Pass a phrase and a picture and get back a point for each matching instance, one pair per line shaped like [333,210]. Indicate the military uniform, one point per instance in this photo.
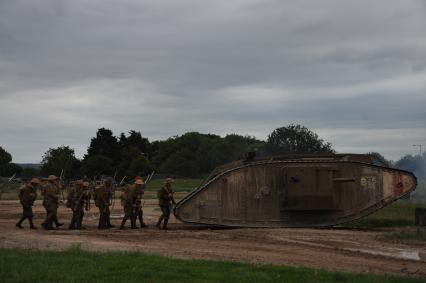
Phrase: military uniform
[131,200]
[50,195]
[138,209]
[27,196]
[102,196]
[78,199]
[165,201]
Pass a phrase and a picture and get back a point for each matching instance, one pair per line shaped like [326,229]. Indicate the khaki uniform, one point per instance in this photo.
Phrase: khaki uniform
[139,209]
[165,201]
[102,196]
[128,201]
[50,193]
[78,199]
[27,196]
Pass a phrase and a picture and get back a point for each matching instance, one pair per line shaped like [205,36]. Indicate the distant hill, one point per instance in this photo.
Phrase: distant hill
[29,165]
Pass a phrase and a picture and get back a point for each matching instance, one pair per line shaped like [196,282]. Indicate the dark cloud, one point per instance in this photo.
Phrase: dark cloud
[353,71]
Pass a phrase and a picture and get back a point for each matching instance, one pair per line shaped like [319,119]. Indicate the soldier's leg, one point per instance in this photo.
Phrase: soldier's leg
[29,214]
[48,224]
[44,223]
[108,218]
[55,218]
[127,215]
[143,225]
[162,217]
[101,224]
[32,226]
[23,217]
[166,217]
[133,215]
[72,223]
[80,219]
[18,224]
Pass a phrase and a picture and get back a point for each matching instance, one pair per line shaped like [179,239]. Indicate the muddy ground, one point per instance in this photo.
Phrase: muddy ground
[331,249]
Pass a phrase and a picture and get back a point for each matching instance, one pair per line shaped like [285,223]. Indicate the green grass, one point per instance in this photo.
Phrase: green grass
[398,214]
[178,185]
[75,265]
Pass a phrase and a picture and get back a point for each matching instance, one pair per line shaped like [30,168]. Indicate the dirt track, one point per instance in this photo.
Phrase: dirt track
[343,250]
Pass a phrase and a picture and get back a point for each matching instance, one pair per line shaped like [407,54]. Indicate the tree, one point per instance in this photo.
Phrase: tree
[296,139]
[135,154]
[139,166]
[135,139]
[416,164]
[57,159]
[97,165]
[6,167]
[5,157]
[181,163]
[106,144]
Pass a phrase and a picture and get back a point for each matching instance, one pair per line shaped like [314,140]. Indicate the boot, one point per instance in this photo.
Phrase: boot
[20,222]
[101,224]
[109,223]
[165,224]
[48,226]
[143,225]
[31,223]
[133,223]
[72,224]
[123,222]
[158,225]
[58,224]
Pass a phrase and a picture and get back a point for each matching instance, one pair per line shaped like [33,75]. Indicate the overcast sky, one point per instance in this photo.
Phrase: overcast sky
[352,71]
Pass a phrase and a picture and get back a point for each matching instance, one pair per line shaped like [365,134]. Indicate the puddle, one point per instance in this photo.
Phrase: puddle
[410,255]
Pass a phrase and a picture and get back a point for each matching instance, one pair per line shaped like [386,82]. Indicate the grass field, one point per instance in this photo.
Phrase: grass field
[179,185]
[398,214]
[75,265]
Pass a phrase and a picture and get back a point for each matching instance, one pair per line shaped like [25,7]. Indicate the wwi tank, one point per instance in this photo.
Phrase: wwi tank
[294,191]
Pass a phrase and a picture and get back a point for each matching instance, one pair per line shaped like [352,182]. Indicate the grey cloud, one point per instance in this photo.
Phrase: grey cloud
[70,67]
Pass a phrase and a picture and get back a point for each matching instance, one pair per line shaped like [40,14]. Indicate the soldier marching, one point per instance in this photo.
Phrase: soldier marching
[78,200]
[165,201]
[27,196]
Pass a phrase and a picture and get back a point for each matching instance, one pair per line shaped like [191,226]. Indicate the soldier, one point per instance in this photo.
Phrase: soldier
[138,209]
[78,200]
[103,197]
[27,196]
[50,195]
[165,200]
[129,200]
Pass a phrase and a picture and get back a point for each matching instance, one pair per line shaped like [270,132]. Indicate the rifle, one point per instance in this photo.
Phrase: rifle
[61,183]
[149,178]
[8,184]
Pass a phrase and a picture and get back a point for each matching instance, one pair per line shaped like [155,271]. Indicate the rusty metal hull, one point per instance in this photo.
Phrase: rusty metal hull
[294,193]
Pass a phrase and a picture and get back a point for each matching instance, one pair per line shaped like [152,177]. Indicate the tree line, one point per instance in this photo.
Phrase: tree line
[192,154]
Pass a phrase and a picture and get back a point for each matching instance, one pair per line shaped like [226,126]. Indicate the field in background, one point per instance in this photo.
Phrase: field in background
[398,214]
[180,186]
[75,265]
